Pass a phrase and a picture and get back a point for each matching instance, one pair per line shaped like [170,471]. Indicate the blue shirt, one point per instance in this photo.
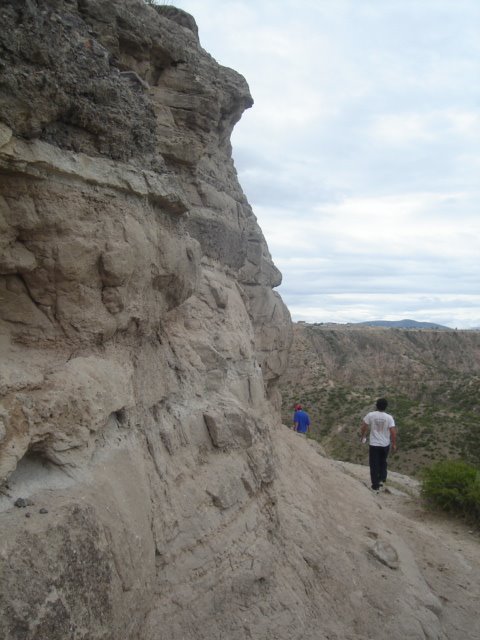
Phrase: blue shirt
[302,420]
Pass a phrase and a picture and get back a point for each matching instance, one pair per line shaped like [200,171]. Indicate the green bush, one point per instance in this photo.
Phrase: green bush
[473,499]
[453,485]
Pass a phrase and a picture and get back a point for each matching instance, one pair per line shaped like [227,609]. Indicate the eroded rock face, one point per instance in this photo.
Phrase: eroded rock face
[136,314]
[120,205]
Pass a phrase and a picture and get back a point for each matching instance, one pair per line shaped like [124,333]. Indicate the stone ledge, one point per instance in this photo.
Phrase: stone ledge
[40,160]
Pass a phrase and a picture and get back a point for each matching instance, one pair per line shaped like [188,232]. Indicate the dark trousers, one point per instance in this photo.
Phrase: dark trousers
[377,458]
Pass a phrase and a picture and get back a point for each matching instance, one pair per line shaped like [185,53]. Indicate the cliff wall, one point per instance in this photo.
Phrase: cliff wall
[140,334]
[149,490]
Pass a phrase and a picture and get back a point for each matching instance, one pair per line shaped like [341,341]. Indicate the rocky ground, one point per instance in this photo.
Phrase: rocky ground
[337,561]
[381,566]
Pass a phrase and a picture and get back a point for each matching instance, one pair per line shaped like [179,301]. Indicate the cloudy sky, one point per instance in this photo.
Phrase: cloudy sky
[361,154]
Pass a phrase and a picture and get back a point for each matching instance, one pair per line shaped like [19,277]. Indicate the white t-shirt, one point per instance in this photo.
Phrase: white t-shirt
[380,424]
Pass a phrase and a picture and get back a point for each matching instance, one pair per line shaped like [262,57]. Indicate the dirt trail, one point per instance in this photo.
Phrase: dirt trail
[447,549]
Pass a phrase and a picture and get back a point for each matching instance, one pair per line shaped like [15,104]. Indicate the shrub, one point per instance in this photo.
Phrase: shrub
[453,485]
[473,499]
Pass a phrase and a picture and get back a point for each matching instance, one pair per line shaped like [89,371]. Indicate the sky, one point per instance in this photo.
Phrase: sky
[361,154]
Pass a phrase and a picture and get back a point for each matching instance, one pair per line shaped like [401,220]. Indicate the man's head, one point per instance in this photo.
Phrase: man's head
[382,404]
[298,407]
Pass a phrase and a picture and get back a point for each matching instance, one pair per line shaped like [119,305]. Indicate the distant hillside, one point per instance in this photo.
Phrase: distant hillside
[431,379]
[403,324]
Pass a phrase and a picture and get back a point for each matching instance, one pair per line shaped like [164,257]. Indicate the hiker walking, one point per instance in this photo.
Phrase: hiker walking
[301,420]
[381,426]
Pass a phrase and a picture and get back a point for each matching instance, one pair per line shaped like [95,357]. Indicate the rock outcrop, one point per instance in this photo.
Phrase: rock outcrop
[137,314]
[149,490]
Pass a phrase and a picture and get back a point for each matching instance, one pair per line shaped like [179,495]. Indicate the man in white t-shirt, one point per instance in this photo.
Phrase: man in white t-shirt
[382,432]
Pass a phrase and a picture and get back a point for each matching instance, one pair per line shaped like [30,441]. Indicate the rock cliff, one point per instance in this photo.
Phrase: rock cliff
[140,334]
[149,490]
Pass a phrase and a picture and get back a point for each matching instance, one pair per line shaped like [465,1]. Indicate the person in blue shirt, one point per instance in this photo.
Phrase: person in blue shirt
[301,420]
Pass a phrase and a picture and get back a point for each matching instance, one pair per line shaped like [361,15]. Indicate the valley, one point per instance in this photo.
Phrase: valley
[431,379]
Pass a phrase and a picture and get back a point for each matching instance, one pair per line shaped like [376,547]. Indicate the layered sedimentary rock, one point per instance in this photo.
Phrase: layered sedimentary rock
[149,490]
[137,314]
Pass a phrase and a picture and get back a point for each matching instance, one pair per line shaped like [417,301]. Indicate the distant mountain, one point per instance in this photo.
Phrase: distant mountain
[403,324]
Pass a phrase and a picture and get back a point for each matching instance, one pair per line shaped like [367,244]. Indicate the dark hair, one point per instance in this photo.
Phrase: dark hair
[382,404]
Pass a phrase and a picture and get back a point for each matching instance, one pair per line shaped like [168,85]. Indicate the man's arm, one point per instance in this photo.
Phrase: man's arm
[364,429]
[393,437]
